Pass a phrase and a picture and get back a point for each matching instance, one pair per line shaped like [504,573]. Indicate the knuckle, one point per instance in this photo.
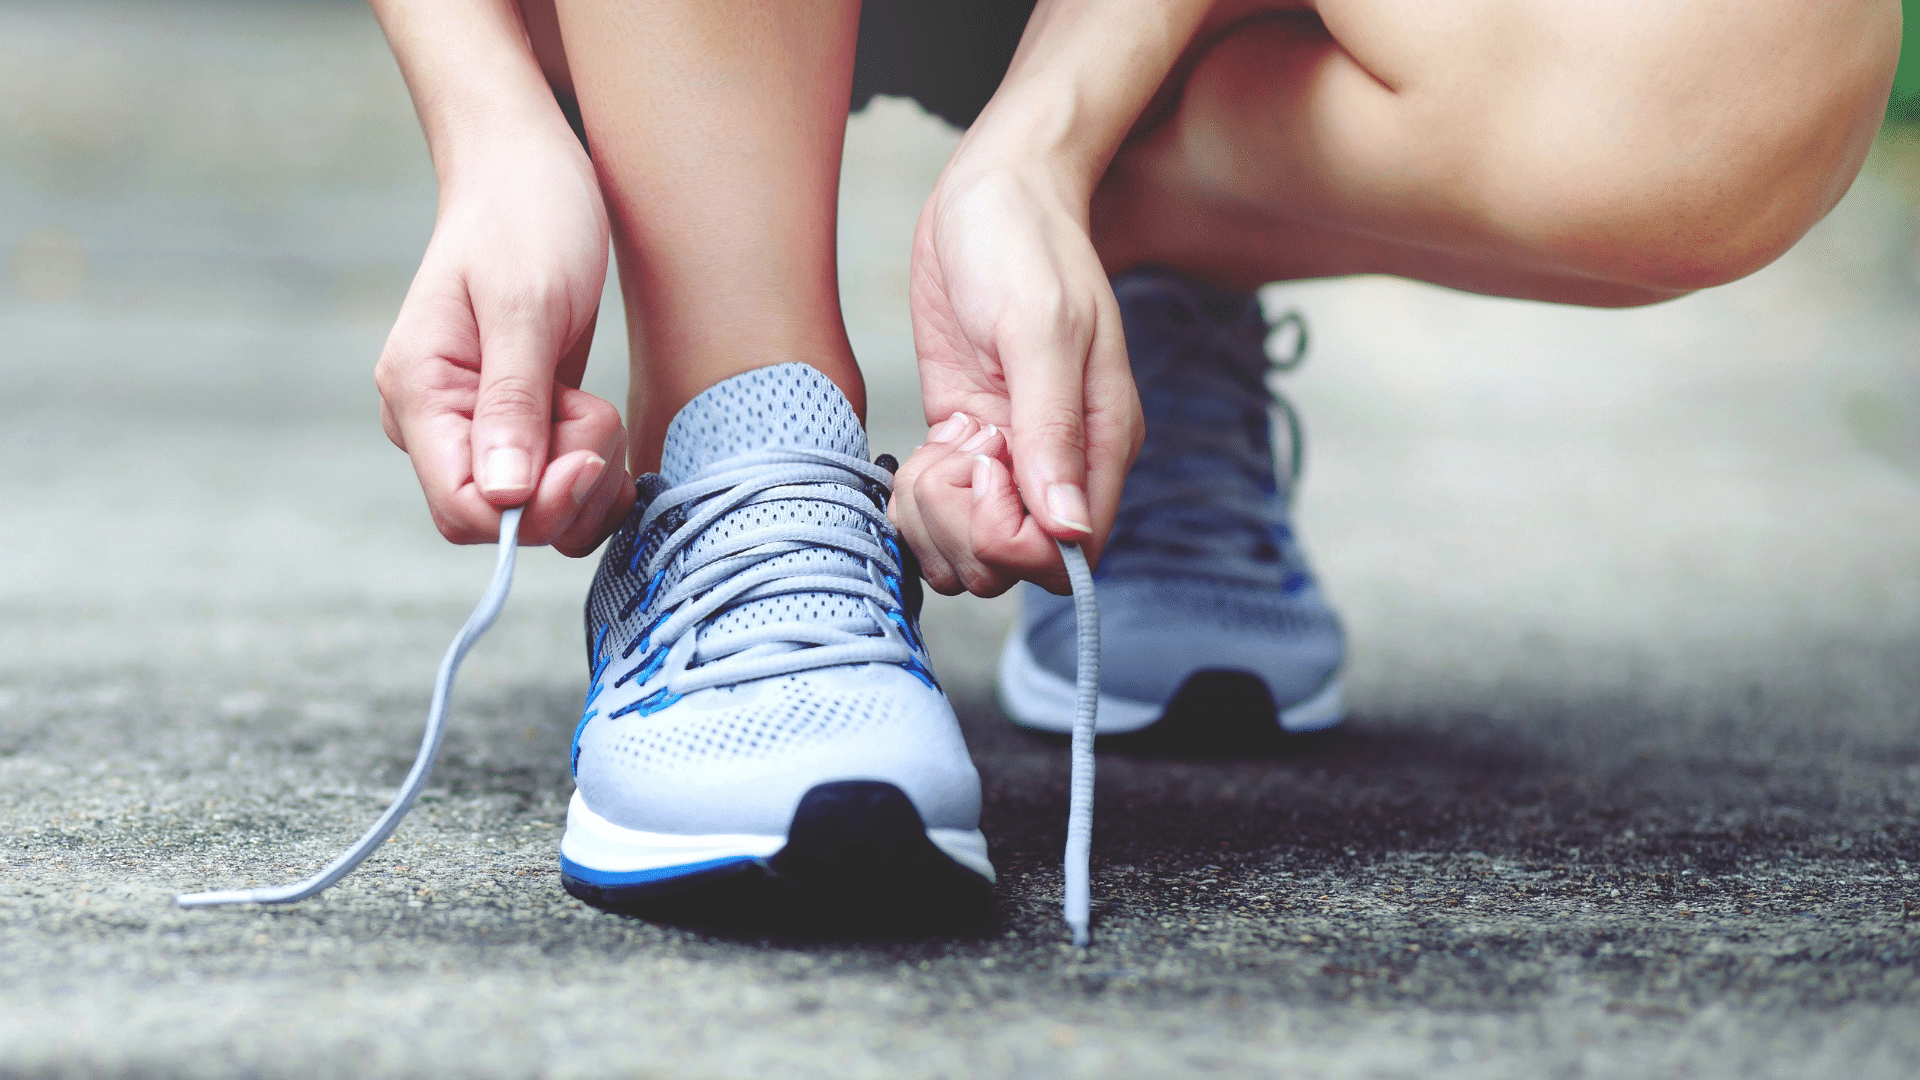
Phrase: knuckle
[602,411]
[511,397]
[455,532]
[983,582]
[384,377]
[539,296]
[1051,316]
[995,551]
[1057,425]
[940,578]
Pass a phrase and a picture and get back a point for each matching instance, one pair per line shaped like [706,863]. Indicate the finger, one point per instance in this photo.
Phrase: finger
[1046,366]
[904,511]
[604,511]
[427,381]
[391,424]
[986,439]
[512,415]
[945,499]
[1115,431]
[903,508]
[586,435]
[566,484]
[1005,540]
[603,503]
[976,518]
[442,463]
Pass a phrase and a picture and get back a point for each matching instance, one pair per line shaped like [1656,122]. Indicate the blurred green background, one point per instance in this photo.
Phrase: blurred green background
[1905,106]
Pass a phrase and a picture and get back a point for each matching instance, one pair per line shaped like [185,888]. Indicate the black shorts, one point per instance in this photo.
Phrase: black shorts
[949,55]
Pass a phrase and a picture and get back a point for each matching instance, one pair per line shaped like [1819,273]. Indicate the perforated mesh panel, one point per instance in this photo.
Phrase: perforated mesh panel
[784,715]
[783,405]
[1229,608]
[613,584]
[786,405]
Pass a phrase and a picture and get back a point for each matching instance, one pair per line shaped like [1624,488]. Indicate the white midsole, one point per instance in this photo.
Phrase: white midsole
[593,841]
[1037,698]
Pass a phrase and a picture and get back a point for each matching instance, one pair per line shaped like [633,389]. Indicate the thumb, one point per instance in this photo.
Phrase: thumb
[1046,381]
[513,409]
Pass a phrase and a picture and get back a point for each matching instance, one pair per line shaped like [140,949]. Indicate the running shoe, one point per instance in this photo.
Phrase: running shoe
[761,712]
[1212,628]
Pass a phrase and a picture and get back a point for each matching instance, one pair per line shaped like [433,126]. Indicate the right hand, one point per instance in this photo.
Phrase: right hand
[480,378]
[1024,375]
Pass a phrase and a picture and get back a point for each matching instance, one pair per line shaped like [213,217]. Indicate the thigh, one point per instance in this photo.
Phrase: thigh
[1668,146]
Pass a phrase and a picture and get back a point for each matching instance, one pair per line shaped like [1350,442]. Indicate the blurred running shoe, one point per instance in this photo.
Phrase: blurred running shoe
[1212,629]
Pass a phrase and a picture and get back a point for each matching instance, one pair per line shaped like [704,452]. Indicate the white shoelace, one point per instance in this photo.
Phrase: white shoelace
[734,571]
[1077,873]
[477,624]
[750,654]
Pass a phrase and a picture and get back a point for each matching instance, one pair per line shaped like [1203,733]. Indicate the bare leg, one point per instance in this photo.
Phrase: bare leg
[1557,150]
[716,130]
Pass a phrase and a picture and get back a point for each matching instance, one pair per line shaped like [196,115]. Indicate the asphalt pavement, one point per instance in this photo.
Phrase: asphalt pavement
[1631,786]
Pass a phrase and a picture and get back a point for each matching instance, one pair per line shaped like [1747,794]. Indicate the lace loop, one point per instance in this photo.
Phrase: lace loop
[702,578]
[1199,499]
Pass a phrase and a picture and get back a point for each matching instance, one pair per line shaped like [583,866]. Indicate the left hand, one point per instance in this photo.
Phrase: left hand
[1017,331]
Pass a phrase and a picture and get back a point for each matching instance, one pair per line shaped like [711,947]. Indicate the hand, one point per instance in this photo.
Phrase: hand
[479,381]
[1024,376]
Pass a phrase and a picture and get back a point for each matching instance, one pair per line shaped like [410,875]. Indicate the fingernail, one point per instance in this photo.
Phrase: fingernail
[1068,505]
[507,469]
[589,477]
[950,430]
[979,439]
[982,477]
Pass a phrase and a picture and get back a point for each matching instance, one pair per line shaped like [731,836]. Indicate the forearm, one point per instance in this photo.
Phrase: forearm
[475,81]
[1084,71]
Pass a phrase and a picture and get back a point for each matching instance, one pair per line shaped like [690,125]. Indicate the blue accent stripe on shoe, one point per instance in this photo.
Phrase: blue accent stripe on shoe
[614,879]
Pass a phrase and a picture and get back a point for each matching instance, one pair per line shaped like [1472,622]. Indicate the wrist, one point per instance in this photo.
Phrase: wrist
[475,83]
[1038,130]
[479,140]
[1083,73]
[1039,143]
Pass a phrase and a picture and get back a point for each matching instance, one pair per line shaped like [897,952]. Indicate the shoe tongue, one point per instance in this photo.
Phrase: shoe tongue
[783,405]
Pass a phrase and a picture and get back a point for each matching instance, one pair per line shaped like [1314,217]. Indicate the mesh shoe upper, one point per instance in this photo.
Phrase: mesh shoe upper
[749,633]
[1203,570]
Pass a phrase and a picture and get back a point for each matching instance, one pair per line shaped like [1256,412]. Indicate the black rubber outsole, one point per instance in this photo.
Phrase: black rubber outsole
[1216,713]
[857,859]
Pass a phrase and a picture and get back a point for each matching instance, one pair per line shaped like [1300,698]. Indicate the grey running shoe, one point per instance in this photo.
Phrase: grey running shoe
[1211,624]
[762,726]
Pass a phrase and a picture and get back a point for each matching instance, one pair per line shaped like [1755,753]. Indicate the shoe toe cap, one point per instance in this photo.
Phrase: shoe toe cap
[737,760]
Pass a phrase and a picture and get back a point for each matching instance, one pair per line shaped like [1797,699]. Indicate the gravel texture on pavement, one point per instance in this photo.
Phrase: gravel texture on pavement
[1631,786]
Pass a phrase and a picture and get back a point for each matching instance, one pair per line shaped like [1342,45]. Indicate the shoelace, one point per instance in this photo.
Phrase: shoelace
[680,645]
[1077,872]
[748,651]
[1194,500]
[477,623]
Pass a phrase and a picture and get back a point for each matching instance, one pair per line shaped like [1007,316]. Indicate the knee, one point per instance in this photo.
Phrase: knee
[1687,172]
